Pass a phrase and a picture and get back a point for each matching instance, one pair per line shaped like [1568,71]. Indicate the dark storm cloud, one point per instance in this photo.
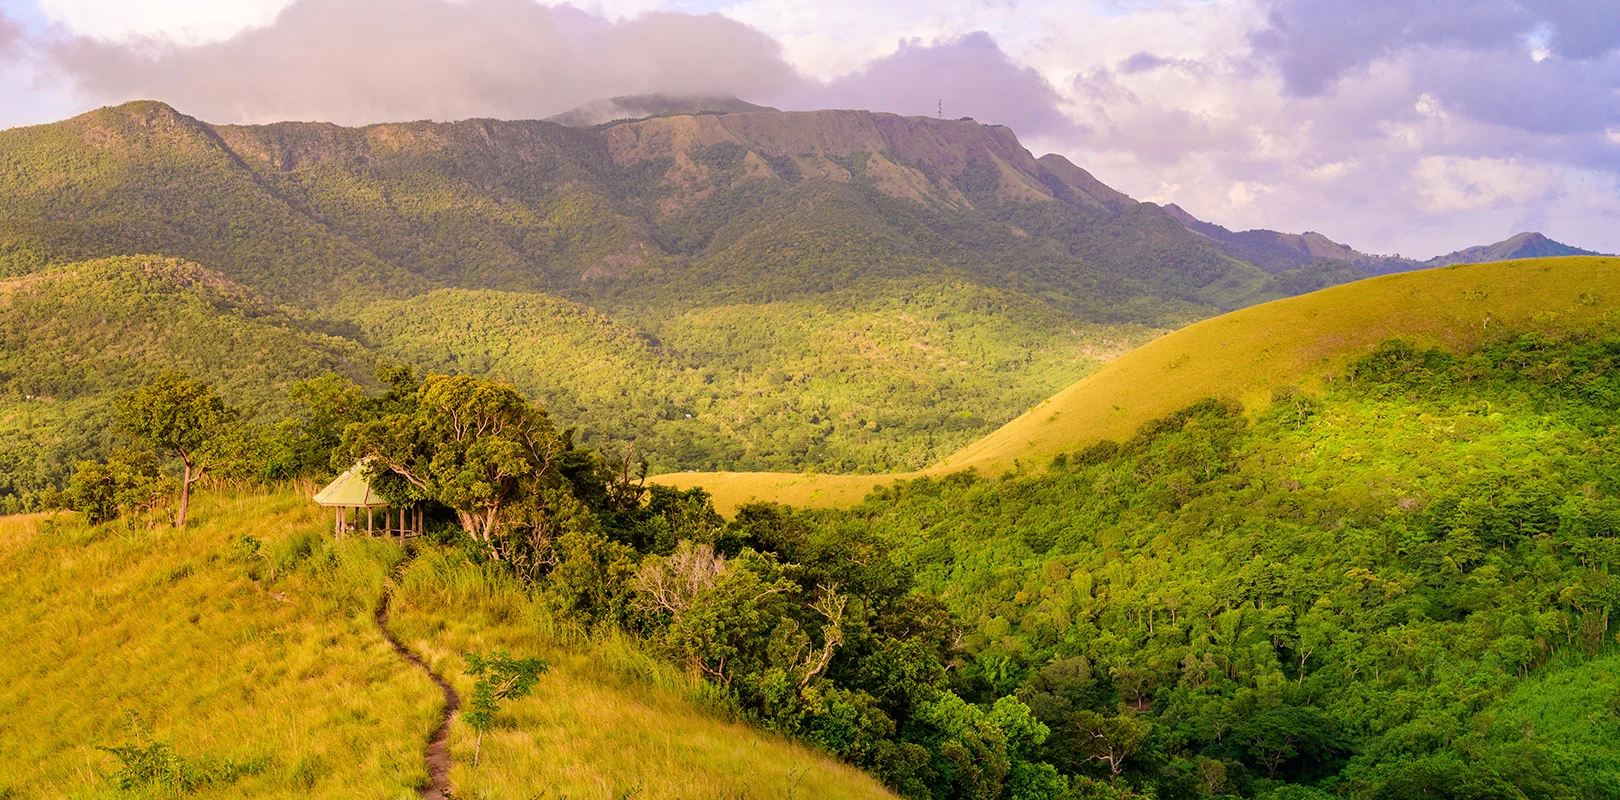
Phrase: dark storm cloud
[356,61]
[971,76]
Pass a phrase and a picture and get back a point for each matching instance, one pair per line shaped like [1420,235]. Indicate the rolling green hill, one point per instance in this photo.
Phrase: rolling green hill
[1247,355]
[72,337]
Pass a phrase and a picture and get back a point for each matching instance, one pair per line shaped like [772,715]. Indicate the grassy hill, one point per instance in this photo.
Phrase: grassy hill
[261,668]
[1247,354]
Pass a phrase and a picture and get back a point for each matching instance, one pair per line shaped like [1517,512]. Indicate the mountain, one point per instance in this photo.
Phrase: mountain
[758,290]
[1277,252]
[1523,245]
[840,290]
[641,106]
[314,213]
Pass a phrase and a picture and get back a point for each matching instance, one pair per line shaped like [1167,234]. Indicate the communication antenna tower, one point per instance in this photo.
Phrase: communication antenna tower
[941,108]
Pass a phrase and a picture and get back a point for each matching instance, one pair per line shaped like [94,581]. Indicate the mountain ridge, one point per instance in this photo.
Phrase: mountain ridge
[1274,251]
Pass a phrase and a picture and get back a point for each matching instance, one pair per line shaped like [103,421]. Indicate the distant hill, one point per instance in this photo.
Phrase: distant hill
[1276,252]
[1523,245]
[642,106]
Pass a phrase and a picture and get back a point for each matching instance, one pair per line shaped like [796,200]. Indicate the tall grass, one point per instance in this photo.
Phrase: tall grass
[608,720]
[266,657]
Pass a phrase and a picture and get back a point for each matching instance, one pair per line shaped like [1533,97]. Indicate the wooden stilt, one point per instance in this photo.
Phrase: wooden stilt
[371,516]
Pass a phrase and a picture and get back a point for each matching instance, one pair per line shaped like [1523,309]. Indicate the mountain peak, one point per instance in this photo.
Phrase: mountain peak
[641,106]
[1528,244]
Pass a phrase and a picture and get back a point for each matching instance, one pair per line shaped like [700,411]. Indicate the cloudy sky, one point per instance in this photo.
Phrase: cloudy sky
[1410,126]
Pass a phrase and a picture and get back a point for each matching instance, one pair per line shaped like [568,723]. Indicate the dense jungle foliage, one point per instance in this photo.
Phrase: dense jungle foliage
[1400,587]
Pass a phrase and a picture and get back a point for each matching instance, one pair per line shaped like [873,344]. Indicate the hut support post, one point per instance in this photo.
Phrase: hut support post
[371,518]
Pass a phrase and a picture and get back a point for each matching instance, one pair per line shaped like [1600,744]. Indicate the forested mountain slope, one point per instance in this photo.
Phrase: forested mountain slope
[309,212]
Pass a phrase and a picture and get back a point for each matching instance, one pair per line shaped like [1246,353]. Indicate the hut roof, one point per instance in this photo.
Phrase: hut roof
[350,490]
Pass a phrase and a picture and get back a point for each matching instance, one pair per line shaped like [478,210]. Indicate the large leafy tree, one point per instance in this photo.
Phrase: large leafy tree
[476,446]
[183,417]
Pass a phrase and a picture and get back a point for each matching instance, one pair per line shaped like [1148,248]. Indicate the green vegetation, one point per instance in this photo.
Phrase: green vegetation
[1348,592]
[1246,353]
[72,339]
[608,719]
[500,678]
[1373,588]
[1376,564]
[883,377]
[182,417]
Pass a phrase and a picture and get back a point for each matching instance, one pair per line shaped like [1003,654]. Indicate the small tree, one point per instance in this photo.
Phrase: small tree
[129,481]
[1109,740]
[500,677]
[183,417]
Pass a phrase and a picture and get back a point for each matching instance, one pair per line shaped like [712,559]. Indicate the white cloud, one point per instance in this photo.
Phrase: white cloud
[186,21]
[1244,193]
[1456,183]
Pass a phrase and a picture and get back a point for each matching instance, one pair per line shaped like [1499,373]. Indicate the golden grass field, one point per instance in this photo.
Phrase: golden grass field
[290,673]
[169,625]
[1245,354]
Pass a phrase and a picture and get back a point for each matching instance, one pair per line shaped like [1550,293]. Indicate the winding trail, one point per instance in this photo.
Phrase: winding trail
[437,755]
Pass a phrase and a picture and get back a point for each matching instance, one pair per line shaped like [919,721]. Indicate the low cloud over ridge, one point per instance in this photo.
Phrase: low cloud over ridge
[360,61]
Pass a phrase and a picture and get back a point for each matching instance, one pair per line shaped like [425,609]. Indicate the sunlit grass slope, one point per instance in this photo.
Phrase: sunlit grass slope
[607,721]
[286,676]
[1246,354]
[272,662]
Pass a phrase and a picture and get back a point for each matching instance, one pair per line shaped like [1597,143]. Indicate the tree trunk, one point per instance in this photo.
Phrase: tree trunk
[185,497]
